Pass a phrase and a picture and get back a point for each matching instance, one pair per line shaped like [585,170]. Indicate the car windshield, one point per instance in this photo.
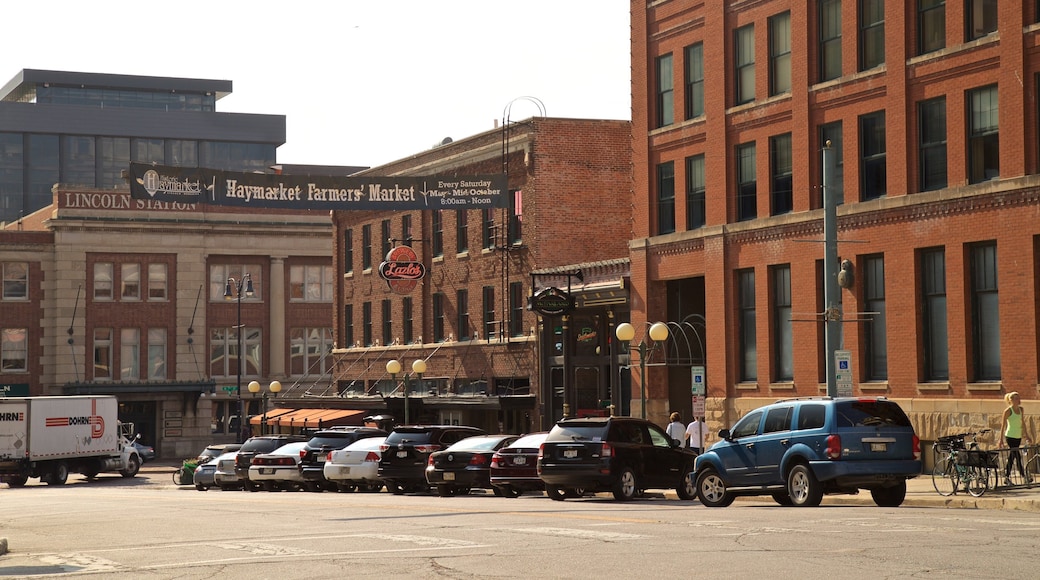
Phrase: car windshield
[871,414]
[476,444]
[564,432]
[329,440]
[413,437]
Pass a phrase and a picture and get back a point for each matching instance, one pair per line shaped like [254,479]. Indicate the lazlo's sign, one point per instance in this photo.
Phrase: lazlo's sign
[552,301]
[402,269]
[198,185]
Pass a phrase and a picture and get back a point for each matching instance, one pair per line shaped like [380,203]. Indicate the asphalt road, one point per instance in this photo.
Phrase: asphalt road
[147,527]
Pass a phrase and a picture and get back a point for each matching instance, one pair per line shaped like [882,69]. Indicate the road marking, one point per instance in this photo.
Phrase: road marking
[573,533]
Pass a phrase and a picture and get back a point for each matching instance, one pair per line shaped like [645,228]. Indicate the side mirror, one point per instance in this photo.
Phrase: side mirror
[136,437]
[724,434]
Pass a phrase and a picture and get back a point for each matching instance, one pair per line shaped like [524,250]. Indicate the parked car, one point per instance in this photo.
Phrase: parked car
[215,450]
[356,466]
[314,454]
[226,476]
[256,445]
[465,464]
[147,452]
[514,468]
[278,470]
[404,453]
[623,455]
[204,476]
[798,450]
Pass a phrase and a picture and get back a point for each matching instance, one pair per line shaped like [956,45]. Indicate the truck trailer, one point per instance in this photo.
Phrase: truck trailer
[50,437]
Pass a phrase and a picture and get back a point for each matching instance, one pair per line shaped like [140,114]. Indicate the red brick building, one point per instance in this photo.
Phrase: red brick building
[931,112]
[468,319]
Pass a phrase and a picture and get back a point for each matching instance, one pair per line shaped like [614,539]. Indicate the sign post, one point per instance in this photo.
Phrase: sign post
[843,372]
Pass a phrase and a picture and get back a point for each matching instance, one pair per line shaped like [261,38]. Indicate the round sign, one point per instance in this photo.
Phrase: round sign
[402,269]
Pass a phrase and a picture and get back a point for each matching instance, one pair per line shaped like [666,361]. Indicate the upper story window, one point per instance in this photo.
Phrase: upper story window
[982,18]
[437,230]
[16,280]
[666,198]
[406,229]
[830,39]
[873,170]
[747,183]
[665,91]
[695,216]
[931,122]
[14,350]
[781,156]
[462,231]
[139,99]
[780,54]
[225,279]
[366,247]
[871,33]
[488,229]
[348,251]
[931,25]
[983,134]
[831,132]
[130,281]
[386,242]
[103,280]
[310,283]
[694,80]
[744,50]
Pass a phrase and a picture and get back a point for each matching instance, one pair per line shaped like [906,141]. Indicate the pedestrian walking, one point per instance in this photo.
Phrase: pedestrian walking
[1014,429]
[695,435]
[675,429]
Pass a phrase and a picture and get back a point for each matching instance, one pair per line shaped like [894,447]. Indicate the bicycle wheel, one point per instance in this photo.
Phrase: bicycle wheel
[977,480]
[944,477]
[1033,470]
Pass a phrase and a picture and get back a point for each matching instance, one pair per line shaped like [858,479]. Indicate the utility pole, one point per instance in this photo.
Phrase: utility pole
[831,290]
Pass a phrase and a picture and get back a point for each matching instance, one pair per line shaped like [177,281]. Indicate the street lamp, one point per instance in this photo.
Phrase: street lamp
[393,366]
[247,280]
[625,332]
[418,367]
[274,388]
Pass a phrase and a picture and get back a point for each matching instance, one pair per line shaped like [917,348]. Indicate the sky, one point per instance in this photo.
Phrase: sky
[361,82]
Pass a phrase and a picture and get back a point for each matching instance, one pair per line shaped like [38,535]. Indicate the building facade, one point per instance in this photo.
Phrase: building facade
[930,111]
[468,320]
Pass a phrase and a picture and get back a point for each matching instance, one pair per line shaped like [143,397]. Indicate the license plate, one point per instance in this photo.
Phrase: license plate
[519,461]
[344,470]
[266,471]
[320,459]
[449,476]
[570,453]
[402,454]
[879,447]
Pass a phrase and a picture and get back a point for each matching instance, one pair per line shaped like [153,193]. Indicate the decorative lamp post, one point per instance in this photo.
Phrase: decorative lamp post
[247,281]
[393,366]
[274,388]
[625,332]
[418,367]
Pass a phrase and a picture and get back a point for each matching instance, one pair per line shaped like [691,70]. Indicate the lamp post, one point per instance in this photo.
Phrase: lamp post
[393,366]
[274,388]
[246,280]
[625,332]
[418,367]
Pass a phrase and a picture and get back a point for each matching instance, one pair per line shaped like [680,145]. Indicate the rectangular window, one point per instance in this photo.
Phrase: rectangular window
[157,281]
[348,251]
[225,279]
[781,170]
[931,123]
[438,232]
[694,80]
[516,217]
[488,231]
[931,25]
[366,323]
[12,176]
[783,339]
[130,281]
[438,317]
[225,361]
[129,354]
[407,330]
[744,51]
[747,185]
[14,350]
[310,283]
[464,330]
[489,312]
[936,336]
[874,300]
[746,319]
[309,348]
[985,319]
[77,160]
[461,231]
[366,247]
[156,354]
[832,132]
[666,198]
[348,325]
[406,229]
[113,159]
[388,325]
[983,135]
[102,353]
[830,39]
[873,167]
[103,280]
[182,153]
[665,91]
[386,242]
[871,33]
[982,18]
[516,309]
[780,54]
[16,280]
[695,217]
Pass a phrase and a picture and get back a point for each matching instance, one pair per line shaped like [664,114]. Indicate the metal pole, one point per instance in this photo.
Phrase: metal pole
[642,378]
[407,387]
[831,292]
[241,405]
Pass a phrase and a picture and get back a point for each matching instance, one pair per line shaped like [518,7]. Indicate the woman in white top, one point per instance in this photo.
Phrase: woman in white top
[676,430]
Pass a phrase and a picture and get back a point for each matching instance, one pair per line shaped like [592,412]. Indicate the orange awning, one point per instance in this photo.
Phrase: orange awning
[271,415]
[313,418]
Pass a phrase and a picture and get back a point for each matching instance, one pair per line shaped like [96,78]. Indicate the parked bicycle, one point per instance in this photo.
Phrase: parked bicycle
[960,464]
[186,473]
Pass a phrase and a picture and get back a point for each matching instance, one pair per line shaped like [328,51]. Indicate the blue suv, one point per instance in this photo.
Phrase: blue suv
[800,449]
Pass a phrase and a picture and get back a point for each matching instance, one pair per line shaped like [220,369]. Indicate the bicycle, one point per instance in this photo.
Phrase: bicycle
[185,474]
[959,462]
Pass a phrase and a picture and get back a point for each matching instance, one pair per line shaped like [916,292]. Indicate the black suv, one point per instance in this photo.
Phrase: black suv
[623,455]
[407,449]
[312,457]
[255,446]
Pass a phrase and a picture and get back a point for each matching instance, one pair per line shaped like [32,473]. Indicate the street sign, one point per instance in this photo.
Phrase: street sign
[698,405]
[843,372]
[230,389]
[698,386]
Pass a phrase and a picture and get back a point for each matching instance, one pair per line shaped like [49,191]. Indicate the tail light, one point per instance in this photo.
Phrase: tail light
[303,454]
[495,461]
[372,456]
[328,457]
[383,447]
[430,461]
[917,448]
[478,460]
[607,451]
[833,447]
[427,448]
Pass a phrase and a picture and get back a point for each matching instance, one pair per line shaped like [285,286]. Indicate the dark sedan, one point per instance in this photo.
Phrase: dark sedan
[514,468]
[465,464]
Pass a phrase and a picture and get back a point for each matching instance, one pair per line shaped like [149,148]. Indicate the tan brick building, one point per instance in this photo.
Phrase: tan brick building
[931,111]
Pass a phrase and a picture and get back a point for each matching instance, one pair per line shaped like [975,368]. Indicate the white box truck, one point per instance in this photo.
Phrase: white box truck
[50,437]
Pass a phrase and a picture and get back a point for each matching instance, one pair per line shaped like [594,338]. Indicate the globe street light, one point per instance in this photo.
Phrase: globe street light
[418,367]
[393,366]
[625,332]
[247,280]
[274,388]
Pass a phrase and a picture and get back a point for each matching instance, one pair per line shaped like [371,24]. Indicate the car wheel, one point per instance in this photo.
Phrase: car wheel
[687,488]
[346,487]
[782,498]
[371,487]
[315,487]
[271,486]
[59,475]
[555,493]
[498,491]
[889,496]
[575,492]
[201,487]
[445,491]
[625,487]
[395,488]
[509,491]
[803,488]
[133,465]
[17,480]
[711,490]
